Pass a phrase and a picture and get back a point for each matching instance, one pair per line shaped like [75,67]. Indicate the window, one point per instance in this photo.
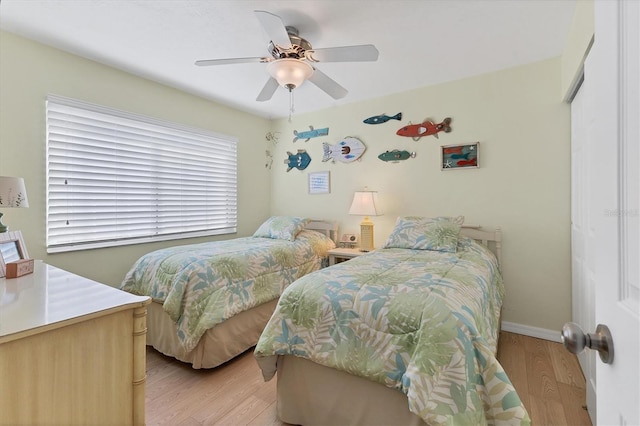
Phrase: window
[116,178]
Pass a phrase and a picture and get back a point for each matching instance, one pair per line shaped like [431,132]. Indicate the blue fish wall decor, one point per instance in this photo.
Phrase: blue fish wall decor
[311,133]
[383,118]
[300,160]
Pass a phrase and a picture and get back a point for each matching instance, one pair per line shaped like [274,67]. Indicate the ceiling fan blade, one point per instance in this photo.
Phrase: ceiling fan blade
[325,83]
[268,90]
[360,53]
[208,62]
[274,27]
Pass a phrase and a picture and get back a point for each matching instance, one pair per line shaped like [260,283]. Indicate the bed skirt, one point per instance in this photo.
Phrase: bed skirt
[312,394]
[218,345]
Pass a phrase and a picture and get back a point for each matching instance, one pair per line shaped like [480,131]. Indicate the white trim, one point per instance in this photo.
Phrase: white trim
[527,330]
[576,85]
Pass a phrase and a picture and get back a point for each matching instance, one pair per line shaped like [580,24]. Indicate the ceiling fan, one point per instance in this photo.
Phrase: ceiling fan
[293,60]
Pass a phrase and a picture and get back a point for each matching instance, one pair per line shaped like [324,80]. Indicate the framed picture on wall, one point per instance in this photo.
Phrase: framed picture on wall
[463,156]
[319,183]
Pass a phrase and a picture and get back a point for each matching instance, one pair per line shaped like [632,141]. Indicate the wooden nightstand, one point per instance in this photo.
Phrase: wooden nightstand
[338,255]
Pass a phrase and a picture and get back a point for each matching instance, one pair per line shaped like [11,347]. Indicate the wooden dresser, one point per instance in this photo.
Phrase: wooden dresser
[72,351]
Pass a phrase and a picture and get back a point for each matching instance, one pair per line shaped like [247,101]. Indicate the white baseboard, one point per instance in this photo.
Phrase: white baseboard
[527,330]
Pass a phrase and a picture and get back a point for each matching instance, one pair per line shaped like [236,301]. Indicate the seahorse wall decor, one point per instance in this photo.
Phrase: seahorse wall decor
[272,141]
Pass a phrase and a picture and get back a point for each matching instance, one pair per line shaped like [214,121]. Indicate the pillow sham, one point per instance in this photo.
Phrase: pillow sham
[420,233]
[281,227]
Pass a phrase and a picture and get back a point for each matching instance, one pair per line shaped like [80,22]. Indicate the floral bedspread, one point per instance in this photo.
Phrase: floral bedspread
[201,285]
[420,321]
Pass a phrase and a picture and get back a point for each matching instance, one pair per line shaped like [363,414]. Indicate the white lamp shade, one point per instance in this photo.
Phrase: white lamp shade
[289,72]
[365,203]
[13,192]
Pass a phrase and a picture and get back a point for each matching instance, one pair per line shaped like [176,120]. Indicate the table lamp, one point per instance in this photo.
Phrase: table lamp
[365,203]
[12,194]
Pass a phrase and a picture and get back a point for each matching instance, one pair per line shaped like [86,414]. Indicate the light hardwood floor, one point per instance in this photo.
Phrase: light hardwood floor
[546,376]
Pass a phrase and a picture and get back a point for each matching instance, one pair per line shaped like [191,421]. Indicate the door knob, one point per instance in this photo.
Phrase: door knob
[575,340]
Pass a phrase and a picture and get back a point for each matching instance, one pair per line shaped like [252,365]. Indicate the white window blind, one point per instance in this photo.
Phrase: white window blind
[116,178]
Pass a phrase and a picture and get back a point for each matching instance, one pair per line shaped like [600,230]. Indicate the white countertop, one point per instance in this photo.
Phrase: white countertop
[50,295]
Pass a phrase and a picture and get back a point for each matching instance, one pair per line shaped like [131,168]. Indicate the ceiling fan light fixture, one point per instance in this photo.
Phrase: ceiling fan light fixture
[289,72]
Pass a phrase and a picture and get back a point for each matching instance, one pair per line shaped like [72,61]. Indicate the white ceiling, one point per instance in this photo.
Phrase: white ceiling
[421,42]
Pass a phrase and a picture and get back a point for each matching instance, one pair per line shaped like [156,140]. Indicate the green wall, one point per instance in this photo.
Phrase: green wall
[522,185]
[30,71]
[517,115]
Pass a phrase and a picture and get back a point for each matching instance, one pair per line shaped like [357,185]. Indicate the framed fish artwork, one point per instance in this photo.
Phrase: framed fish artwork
[460,156]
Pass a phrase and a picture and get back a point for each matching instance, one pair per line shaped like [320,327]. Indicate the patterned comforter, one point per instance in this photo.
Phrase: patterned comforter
[201,285]
[420,321]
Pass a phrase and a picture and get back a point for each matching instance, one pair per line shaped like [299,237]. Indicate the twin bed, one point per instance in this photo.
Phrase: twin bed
[211,301]
[406,334]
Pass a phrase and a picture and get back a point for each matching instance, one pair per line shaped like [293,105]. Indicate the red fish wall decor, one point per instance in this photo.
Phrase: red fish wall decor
[426,128]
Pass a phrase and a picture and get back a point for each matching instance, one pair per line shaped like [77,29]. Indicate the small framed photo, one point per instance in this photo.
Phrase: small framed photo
[319,183]
[460,156]
[12,249]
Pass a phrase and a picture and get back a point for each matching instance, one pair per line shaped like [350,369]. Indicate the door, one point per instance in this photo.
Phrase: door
[615,193]
[583,126]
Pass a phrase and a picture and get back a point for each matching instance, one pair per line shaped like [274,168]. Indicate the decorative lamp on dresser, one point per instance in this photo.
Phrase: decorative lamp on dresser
[72,351]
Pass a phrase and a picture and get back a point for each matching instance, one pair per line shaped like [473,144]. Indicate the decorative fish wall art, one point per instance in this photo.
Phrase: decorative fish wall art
[383,118]
[300,160]
[347,150]
[311,133]
[396,156]
[426,128]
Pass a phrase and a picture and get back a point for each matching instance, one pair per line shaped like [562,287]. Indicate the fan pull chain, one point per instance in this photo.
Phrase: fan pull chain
[291,106]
